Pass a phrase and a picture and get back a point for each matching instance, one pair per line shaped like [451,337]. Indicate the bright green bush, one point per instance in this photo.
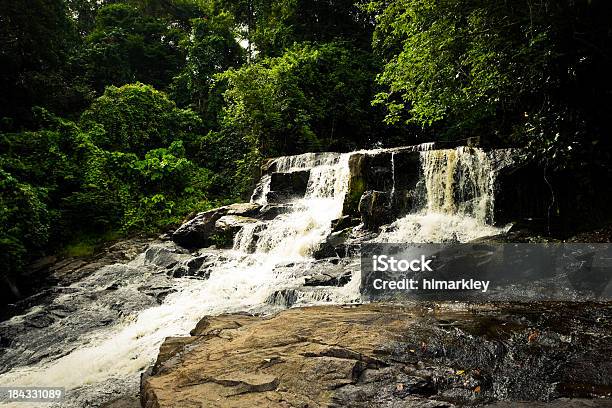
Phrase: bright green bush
[137,118]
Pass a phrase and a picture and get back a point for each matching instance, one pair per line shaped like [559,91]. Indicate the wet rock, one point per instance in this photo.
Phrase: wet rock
[292,184]
[159,293]
[195,264]
[271,211]
[233,223]
[344,222]
[48,277]
[123,402]
[337,244]
[356,184]
[165,256]
[442,355]
[284,298]
[374,209]
[227,227]
[394,171]
[339,278]
[39,320]
[197,232]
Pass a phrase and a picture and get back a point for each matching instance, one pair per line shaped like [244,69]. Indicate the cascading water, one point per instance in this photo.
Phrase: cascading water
[297,233]
[457,190]
[105,359]
[114,330]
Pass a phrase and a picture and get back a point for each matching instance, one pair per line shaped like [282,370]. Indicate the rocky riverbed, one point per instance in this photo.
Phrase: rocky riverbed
[419,355]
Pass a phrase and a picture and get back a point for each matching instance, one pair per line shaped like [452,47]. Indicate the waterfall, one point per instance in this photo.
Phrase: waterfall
[392,179]
[288,164]
[459,181]
[107,360]
[297,233]
[269,257]
[456,186]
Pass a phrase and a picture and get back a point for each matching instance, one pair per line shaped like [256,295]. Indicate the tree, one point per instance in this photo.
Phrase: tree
[35,39]
[126,46]
[530,73]
[137,118]
[299,102]
[458,60]
[314,97]
[270,27]
[211,49]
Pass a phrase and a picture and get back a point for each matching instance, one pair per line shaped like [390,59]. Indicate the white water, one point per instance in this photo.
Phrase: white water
[458,188]
[392,178]
[297,233]
[106,361]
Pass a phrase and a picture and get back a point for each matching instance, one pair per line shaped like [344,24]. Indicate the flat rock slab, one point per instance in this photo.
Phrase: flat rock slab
[436,355]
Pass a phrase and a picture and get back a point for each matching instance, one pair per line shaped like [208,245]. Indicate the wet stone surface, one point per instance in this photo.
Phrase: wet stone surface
[435,355]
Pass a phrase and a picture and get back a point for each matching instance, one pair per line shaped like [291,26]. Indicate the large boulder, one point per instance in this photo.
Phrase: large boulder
[199,231]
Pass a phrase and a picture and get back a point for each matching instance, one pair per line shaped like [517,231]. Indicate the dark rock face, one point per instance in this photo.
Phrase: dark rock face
[197,232]
[395,172]
[283,298]
[344,222]
[284,186]
[329,275]
[521,193]
[558,202]
[426,356]
[375,209]
[270,211]
[357,184]
[336,245]
[406,196]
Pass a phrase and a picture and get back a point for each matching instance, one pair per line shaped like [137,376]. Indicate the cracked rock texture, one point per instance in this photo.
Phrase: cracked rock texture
[441,355]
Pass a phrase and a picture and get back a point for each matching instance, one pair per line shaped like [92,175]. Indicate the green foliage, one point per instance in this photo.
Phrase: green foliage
[126,46]
[273,26]
[458,60]
[534,74]
[24,221]
[211,49]
[81,248]
[314,97]
[299,102]
[36,37]
[122,116]
[66,184]
[137,118]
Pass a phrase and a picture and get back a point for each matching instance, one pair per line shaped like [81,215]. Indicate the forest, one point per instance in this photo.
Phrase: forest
[120,117]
